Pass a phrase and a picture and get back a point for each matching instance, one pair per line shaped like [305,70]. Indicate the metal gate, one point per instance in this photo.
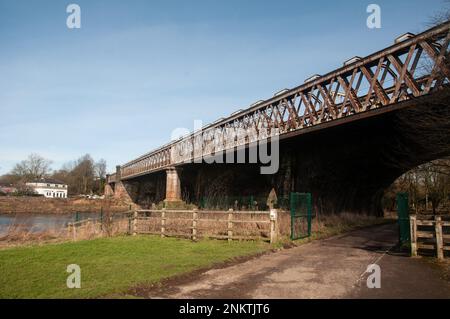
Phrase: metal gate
[301,213]
[403,218]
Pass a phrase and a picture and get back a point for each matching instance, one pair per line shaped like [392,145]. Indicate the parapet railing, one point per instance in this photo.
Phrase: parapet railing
[404,71]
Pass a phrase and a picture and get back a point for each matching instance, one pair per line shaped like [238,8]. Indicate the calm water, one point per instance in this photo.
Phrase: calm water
[41,222]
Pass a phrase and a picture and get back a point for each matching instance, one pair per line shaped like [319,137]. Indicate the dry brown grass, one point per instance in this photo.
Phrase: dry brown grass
[34,205]
[96,229]
[328,225]
[20,235]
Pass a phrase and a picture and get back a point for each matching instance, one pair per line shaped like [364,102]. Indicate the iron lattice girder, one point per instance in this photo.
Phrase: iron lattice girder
[407,70]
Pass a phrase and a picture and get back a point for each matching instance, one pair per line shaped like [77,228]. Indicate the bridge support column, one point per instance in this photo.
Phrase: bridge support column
[109,191]
[120,191]
[173,189]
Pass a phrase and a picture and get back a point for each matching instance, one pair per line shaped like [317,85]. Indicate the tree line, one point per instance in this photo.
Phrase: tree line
[428,187]
[83,175]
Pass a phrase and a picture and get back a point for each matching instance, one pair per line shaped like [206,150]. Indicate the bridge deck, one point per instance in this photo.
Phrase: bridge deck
[405,71]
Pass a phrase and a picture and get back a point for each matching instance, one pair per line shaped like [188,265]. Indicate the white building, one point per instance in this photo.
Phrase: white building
[50,188]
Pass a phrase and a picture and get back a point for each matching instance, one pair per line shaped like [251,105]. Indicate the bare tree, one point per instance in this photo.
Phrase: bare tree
[34,167]
[425,184]
[100,169]
[436,182]
[100,172]
[442,16]
[83,174]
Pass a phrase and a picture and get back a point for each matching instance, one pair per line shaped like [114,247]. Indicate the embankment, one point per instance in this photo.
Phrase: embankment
[30,205]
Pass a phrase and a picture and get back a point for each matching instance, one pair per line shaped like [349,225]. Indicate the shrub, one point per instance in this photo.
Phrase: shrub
[25,191]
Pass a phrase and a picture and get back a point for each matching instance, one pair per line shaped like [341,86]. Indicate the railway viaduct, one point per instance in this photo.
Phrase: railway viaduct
[344,136]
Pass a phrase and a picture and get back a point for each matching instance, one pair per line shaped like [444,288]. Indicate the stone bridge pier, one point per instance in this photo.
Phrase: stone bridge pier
[173,188]
[164,186]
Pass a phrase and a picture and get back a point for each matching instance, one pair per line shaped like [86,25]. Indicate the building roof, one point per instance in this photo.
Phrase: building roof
[48,181]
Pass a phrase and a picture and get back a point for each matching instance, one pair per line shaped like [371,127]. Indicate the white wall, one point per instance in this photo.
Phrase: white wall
[49,190]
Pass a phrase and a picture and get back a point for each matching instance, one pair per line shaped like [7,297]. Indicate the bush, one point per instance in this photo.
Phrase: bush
[25,191]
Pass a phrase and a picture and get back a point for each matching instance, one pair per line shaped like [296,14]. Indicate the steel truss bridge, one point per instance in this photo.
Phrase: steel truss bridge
[414,67]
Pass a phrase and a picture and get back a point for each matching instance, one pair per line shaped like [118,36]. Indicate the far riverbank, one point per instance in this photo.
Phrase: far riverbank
[39,205]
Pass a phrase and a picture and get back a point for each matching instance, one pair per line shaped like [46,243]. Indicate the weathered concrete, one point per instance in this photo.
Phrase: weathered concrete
[173,185]
[332,268]
[109,191]
[121,192]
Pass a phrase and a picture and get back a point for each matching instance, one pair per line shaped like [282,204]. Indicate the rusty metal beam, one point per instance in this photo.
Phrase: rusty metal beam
[313,105]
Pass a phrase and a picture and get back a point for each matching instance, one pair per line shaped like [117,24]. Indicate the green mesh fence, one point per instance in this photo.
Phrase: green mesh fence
[244,203]
[403,218]
[248,203]
[301,215]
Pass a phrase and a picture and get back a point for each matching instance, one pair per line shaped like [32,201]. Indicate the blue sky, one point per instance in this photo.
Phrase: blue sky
[136,70]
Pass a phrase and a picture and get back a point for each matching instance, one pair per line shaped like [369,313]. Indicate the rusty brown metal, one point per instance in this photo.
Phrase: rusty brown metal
[405,71]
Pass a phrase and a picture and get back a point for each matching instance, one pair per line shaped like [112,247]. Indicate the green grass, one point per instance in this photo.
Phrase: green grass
[108,266]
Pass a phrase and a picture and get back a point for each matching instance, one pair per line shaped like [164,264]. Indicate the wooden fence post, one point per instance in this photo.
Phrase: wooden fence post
[69,229]
[163,222]
[88,225]
[101,218]
[230,225]
[439,238]
[194,225]
[273,225]
[74,231]
[413,227]
[135,215]
[109,226]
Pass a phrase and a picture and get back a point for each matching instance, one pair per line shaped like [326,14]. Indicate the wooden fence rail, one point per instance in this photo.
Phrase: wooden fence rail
[193,224]
[187,223]
[97,226]
[436,234]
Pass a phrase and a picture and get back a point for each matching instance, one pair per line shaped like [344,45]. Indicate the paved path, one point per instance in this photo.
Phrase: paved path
[332,268]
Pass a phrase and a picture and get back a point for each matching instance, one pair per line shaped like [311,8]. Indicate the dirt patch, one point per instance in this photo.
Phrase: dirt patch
[442,266]
[167,286]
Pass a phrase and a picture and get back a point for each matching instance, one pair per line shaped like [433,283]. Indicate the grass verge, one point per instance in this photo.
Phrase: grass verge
[109,265]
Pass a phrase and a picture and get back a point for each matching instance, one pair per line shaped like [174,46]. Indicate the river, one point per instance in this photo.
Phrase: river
[37,223]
